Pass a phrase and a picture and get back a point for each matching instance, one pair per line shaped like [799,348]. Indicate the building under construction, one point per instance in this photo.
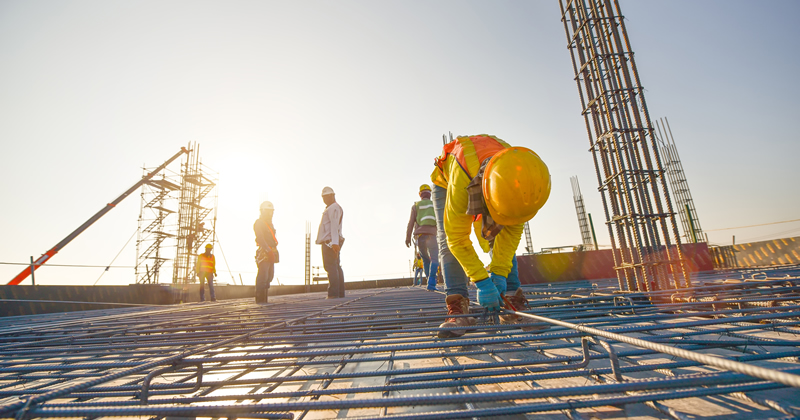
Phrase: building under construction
[658,326]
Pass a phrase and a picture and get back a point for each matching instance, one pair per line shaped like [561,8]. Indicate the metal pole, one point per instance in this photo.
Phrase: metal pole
[691,223]
[33,280]
[594,237]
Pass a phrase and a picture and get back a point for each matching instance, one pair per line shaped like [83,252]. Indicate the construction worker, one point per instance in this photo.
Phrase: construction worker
[330,237]
[267,252]
[482,182]
[206,269]
[418,269]
[423,224]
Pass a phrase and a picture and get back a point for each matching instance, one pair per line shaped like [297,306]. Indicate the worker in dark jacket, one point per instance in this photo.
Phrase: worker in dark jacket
[267,253]
[423,224]
[206,268]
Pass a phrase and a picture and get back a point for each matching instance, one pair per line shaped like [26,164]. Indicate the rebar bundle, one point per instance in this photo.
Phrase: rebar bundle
[630,177]
[375,355]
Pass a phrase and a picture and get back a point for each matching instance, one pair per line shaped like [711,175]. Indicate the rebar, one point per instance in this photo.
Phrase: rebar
[376,354]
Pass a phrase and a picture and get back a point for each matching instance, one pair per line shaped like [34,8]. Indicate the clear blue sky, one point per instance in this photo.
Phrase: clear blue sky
[286,97]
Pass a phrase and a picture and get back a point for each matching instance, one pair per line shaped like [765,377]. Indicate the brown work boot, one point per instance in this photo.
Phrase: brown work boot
[456,305]
[520,304]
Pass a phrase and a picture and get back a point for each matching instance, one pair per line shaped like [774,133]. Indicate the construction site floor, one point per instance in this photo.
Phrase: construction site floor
[375,354]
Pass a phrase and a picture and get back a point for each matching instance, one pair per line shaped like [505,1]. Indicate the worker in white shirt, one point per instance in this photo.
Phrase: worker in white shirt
[331,239]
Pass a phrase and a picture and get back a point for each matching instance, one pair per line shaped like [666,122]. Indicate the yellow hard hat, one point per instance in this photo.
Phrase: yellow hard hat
[516,184]
[209,246]
[424,187]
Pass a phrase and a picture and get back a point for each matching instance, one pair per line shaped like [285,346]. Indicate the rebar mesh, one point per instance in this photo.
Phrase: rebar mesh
[375,354]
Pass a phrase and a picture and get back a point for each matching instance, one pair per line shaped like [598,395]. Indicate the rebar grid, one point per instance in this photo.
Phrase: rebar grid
[630,177]
[375,355]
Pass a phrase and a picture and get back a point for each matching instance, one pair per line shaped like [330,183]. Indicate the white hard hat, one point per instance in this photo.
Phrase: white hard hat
[267,206]
[327,191]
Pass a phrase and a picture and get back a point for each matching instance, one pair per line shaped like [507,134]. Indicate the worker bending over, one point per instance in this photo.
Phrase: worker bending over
[482,182]
[206,269]
[267,252]
[423,223]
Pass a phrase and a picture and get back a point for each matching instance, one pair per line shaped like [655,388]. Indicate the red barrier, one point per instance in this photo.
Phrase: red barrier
[589,265]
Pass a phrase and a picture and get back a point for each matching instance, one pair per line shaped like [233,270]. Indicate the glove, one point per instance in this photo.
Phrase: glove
[499,282]
[488,296]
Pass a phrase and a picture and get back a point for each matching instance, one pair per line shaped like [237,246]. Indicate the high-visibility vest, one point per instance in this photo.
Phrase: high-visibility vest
[470,151]
[206,264]
[425,215]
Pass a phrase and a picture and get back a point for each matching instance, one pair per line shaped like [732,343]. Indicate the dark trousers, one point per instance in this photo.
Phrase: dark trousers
[266,270]
[203,278]
[330,261]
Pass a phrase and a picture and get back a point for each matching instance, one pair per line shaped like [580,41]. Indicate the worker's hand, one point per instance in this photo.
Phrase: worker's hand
[499,282]
[335,248]
[488,296]
[408,243]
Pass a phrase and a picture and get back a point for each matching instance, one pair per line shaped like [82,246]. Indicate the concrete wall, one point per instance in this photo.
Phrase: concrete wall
[27,300]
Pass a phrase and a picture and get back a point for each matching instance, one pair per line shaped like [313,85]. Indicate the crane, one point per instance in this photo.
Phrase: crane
[54,250]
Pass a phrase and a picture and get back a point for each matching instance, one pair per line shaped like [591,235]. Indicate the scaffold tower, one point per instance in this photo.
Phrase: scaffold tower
[198,195]
[684,203]
[630,176]
[580,209]
[156,219]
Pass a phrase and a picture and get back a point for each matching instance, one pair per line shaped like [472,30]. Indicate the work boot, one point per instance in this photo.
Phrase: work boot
[520,304]
[456,305]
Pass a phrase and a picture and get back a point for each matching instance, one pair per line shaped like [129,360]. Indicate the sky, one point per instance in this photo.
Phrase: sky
[286,97]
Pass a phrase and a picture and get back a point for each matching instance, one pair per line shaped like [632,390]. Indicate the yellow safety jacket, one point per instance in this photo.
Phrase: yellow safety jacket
[206,264]
[459,163]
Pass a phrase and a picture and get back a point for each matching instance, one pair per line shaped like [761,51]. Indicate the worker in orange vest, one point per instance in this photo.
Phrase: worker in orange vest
[206,269]
[482,183]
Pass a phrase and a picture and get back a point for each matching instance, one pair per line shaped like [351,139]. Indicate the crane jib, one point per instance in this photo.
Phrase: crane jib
[47,255]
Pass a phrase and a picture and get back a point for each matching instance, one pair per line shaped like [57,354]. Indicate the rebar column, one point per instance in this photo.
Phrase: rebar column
[641,224]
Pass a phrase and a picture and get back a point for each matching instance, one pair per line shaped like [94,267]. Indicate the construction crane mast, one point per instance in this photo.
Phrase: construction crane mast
[54,250]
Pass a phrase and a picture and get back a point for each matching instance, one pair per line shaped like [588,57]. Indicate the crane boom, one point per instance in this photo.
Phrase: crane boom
[54,250]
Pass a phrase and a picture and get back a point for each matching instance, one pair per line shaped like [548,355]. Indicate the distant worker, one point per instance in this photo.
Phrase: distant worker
[423,223]
[483,182]
[331,239]
[267,252]
[206,269]
[418,269]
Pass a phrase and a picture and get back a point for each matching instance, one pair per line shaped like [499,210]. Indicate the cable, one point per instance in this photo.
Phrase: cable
[225,259]
[71,265]
[742,227]
[115,257]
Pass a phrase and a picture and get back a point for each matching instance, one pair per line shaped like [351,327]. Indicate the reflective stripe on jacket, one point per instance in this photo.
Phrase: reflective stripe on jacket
[460,161]
[206,264]
[425,215]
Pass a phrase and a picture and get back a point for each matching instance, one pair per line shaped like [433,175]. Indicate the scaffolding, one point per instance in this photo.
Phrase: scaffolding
[158,197]
[692,232]
[726,348]
[636,201]
[580,209]
[198,197]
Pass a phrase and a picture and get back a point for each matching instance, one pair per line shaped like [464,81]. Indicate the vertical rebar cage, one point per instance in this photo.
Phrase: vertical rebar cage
[642,228]
[580,209]
[196,204]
